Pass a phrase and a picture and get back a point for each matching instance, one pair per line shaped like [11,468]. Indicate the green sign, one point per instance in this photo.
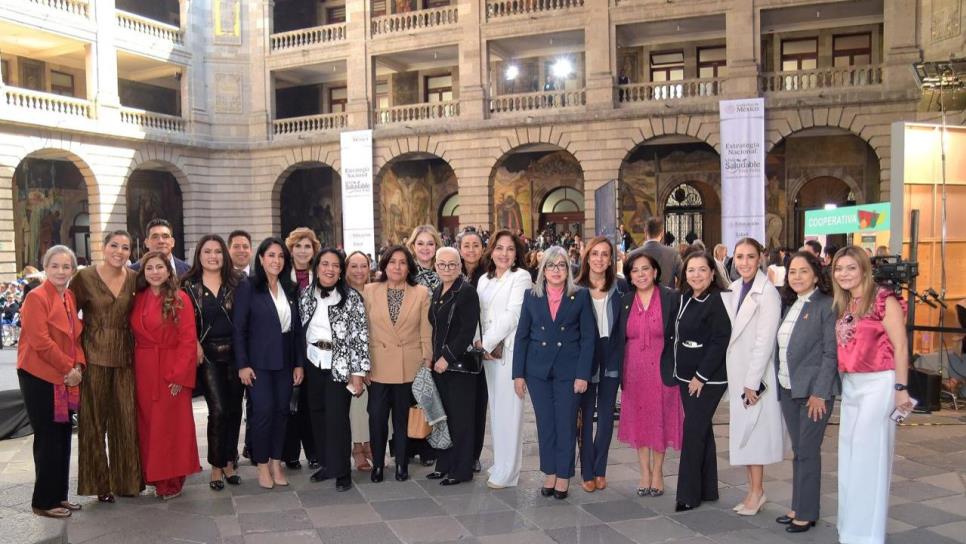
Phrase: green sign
[865,218]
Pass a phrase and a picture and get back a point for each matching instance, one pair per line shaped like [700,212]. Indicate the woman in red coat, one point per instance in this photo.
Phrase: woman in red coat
[165,359]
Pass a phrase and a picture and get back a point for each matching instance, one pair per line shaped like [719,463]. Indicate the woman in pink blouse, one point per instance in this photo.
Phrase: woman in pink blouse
[871,336]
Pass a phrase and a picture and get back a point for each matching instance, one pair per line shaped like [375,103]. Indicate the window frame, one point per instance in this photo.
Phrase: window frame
[851,53]
[798,57]
[665,68]
[715,65]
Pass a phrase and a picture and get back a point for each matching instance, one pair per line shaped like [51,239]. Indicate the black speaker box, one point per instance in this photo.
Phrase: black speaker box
[924,386]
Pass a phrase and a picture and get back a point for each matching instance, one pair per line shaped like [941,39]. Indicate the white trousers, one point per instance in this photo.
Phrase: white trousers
[866,442]
[506,418]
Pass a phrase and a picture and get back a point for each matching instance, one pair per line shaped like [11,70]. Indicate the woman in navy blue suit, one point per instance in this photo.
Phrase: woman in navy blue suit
[598,276]
[553,357]
[267,332]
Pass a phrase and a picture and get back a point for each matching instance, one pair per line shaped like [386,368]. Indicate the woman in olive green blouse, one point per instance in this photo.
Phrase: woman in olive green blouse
[104,294]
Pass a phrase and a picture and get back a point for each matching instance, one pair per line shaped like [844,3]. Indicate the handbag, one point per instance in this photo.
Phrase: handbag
[471,360]
[418,428]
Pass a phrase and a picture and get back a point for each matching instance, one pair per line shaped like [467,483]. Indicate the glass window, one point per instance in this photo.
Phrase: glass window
[852,49]
[439,88]
[378,8]
[667,66]
[335,15]
[710,60]
[61,83]
[799,54]
[382,94]
[338,98]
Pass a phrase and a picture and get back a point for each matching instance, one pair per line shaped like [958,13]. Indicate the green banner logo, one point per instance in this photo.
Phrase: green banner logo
[864,218]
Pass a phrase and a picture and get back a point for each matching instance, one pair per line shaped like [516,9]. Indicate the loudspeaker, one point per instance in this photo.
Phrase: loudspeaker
[924,386]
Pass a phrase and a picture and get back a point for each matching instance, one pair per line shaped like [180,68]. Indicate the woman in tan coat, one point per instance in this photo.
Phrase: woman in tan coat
[400,340]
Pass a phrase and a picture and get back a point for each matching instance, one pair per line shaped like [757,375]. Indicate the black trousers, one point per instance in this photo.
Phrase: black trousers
[269,395]
[385,400]
[482,397]
[599,398]
[223,394]
[328,412]
[298,432]
[51,442]
[458,393]
[698,471]
[806,436]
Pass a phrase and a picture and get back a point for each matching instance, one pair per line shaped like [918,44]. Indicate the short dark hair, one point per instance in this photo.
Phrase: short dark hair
[519,261]
[815,245]
[654,226]
[641,253]
[158,222]
[716,285]
[238,232]
[788,294]
[410,263]
[339,286]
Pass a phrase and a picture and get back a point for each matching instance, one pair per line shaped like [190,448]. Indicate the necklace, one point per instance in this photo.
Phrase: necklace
[845,325]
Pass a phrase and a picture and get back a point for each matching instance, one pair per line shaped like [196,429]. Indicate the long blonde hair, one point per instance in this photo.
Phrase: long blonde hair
[411,243]
[842,297]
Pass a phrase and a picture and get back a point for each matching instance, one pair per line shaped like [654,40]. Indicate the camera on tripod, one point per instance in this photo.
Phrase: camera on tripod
[891,271]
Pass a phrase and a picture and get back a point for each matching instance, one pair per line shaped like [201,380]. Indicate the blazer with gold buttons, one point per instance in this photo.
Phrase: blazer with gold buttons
[563,346]
[396,350]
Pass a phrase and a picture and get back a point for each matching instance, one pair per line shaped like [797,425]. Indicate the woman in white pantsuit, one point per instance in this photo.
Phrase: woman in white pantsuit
[501,292]
[871,336]
[757,430]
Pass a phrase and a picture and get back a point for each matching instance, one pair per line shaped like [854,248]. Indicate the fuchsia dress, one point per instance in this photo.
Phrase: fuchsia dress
[651,413]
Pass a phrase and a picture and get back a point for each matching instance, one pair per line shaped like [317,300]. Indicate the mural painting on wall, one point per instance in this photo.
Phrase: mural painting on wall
[522,181]
[310,199]
[49,197]
[410,194]
[776,199]
[154,194]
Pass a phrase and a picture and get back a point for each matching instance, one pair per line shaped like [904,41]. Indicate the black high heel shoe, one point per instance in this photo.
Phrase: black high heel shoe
[402,473]
[796,528]
[234,479]
[560,495]
[435,475]
[376,474]
[784,520]
[682,507]
[216,485]
[546,491]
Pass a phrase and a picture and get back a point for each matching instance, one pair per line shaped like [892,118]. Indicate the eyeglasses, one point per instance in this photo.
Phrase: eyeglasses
[559,267]
[447,266]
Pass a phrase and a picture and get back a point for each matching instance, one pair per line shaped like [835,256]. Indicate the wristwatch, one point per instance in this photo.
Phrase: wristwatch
[901,387]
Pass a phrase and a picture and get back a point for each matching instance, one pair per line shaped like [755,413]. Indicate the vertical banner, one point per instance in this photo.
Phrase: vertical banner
[358,230]
[606,212]
[742,170]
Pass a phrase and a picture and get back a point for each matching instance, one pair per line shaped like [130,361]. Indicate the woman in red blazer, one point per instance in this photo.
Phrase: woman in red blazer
[165,363]
[49,366]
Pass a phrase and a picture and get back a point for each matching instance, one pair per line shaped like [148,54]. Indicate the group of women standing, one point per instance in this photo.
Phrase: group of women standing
[570,342]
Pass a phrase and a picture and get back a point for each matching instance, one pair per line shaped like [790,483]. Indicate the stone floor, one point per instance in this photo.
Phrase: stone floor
[928,503]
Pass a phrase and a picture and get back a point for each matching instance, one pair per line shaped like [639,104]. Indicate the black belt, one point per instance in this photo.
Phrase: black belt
[325,346]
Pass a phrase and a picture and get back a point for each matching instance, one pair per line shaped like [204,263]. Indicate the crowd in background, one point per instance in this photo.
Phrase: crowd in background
[414,353]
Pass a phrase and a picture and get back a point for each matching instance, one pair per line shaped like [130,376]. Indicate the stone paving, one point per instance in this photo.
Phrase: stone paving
[928,503]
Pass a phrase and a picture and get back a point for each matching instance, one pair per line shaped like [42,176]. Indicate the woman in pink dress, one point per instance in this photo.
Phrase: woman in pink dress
[652,418]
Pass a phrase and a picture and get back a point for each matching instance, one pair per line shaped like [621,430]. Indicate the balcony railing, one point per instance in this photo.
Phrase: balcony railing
[546,100]
[47,102]
[149,27]
[74,7]
[674,90]
[415,20]
[509,8]
[309,123]
[822,78]
[152,120]
[307,37]
[418,112]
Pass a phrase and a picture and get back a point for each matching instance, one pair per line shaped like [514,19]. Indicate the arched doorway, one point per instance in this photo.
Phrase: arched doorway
[154,194]
[311,196]
[449,215]
[562,210]
[820,193]
[416,189]
[678,176]
[50,194]
[522,181]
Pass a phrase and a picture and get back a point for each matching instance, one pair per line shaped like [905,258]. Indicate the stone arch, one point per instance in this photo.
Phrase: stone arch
[324,215]
[391,150]
[524,174]
[410,189]
[155,193]
[53,211]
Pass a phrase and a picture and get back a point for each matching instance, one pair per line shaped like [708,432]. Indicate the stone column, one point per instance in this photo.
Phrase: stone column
[101,65]
[743,39]
[359,83]
[8,246]
[900,48]
[598,59]
[471,56]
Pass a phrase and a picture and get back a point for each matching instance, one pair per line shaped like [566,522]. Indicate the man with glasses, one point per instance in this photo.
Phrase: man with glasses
[160,237]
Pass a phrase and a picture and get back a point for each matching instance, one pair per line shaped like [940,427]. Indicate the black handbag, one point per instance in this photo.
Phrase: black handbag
[471,360]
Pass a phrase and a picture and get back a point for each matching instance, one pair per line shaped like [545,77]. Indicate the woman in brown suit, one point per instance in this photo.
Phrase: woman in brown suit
[400,340]
[105,294]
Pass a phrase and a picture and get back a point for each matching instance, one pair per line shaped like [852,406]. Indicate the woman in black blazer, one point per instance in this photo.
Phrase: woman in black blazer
[694,357]
[454,315]
[806,362]
[267,334]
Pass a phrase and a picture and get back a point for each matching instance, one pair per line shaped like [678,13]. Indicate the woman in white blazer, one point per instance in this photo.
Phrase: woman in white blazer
[501,292]
[756,427]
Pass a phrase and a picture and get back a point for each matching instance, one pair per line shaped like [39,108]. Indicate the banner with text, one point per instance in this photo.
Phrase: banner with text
[358,229]
[742,170]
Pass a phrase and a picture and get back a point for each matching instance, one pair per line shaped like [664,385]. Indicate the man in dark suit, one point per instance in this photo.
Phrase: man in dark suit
[667,258]
[159,236]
